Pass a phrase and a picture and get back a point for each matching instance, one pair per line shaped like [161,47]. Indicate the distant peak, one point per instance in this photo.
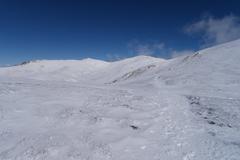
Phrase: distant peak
[86,60]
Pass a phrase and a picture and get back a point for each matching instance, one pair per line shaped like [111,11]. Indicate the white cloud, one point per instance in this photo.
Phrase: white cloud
[216,31]
[156,49]
[212,31]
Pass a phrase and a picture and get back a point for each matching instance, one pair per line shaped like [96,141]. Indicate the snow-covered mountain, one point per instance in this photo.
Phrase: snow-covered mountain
[140,108]
[59,70]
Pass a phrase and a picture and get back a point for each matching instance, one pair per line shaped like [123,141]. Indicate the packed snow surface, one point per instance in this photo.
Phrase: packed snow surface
[141,108]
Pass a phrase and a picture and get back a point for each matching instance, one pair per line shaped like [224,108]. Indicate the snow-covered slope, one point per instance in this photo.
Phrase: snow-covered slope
[59,70]
[214,69]
[78,70]
[141,108]
[129,68]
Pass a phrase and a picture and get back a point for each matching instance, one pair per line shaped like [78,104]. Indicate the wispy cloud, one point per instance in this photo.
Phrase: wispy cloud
[216,30]
[210,29]
[159,49]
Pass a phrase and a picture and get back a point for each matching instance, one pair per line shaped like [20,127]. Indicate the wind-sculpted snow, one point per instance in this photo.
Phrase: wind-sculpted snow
[141,108]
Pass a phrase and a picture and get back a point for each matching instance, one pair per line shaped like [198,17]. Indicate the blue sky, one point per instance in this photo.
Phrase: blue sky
[108,30]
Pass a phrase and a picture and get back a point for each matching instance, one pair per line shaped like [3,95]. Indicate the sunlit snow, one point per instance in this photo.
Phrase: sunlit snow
[141,108]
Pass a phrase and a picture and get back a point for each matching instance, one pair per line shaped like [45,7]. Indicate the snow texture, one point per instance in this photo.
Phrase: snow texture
[141,108]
